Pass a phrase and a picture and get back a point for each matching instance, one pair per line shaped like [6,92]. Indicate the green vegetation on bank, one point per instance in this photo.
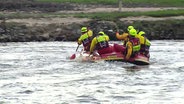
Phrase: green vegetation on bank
[175,3]
[82,1]
[99,15]
[116,15]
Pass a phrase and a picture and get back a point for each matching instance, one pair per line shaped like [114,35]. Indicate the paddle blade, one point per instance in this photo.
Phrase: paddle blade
[73,56]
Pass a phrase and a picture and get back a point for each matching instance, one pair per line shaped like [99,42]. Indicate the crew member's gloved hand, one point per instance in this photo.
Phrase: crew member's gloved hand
[79,43]
[126,59]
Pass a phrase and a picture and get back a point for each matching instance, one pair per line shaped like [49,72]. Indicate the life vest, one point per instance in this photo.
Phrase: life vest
[147,42]
[101,42]
[135,44]
[86,41]
[145,47]
[143,43]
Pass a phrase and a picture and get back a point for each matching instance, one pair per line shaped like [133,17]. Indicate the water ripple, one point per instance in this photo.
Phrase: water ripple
[40,73]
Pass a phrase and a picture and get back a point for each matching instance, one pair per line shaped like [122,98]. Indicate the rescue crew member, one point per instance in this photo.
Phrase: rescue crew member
[100,43]
[124,37]
[85,38]
[132,45]
[145,43]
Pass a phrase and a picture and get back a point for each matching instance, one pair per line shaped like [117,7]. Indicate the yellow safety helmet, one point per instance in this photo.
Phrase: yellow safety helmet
[130,27]
[101,33]
[133,32]
[141,33]
[84,29]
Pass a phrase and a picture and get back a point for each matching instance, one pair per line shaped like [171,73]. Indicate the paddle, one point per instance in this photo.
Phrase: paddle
[73,56]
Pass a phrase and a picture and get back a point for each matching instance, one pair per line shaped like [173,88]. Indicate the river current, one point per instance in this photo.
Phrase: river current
[41,73]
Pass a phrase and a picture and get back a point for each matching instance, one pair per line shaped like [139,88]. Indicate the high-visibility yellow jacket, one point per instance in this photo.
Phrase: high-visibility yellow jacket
[86,39]
[97,39]
[84,36]
[143,40]
[123,37]
[132,46]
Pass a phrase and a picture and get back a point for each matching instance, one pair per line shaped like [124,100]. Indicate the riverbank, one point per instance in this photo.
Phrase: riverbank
[68,29]
[65,23]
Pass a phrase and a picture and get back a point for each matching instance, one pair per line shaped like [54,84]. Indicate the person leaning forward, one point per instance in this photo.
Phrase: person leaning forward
[85,38]
[132,45]
[124,37]
[100,43]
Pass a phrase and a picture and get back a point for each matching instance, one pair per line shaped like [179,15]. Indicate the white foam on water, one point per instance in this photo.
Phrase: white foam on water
[38,72]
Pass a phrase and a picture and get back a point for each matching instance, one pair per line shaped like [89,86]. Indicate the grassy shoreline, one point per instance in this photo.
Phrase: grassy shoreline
[50,8]
[117,15]
[170,3]
[98,15]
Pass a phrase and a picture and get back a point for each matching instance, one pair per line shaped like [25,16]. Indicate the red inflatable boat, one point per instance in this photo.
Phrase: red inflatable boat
[115,55]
